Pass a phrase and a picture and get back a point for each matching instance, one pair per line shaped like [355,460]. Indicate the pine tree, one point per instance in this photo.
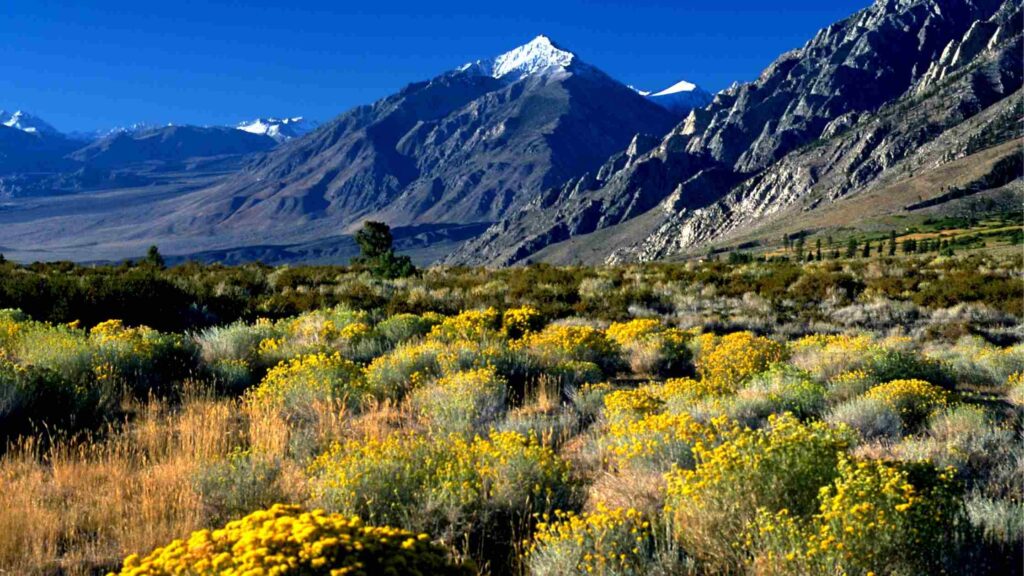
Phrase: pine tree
[867,249]
[376,247]
[892,242]
[817,249]
[154,258]
[851,248]
[800,249]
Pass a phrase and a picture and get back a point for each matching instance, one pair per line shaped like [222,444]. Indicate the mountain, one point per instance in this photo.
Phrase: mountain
[465,147]
[93,135]
[681,97]
[864,114]
[28,151]
[280,129]
[27,123]
[169,144]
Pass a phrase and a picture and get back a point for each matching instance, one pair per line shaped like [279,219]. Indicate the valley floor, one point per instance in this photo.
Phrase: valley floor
[858,415]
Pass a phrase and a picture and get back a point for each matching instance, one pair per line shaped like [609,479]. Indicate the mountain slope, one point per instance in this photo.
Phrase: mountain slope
[845,74]
[465,147]
[169,144]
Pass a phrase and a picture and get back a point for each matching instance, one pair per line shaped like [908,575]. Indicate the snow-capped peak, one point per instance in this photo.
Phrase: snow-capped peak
[681,86]
[535,56]
[680,97]
[280,129]
[27,123]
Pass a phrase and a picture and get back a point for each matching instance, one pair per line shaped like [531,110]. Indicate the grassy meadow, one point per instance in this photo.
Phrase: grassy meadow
[846,415]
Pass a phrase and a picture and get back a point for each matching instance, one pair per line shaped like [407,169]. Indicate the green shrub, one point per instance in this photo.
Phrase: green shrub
[778,468]
[462,401]
[237,484]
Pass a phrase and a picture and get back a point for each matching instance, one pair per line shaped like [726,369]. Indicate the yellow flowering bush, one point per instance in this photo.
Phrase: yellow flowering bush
[914,400]
[558,343]
[607,541]
[659,441]
[461,401]
[1015,388]
[779,467]
[517,322]
[850,384]
[293,386]
[418,481]
[405,368]
[140,357]
[876,517]
[632,404]
[288,540]
[468,325]
[826,355]
[651,347]
[380,479]
[725,363]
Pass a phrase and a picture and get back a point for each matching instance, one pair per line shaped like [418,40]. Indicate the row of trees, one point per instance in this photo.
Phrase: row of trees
[799,249]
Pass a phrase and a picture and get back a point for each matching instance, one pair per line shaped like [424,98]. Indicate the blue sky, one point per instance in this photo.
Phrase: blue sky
[89,64]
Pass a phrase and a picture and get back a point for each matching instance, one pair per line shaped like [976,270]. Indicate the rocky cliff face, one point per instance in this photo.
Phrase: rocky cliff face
[746,155]
[466,147]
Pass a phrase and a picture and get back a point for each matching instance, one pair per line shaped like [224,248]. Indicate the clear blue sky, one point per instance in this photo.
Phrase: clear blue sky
[89,64]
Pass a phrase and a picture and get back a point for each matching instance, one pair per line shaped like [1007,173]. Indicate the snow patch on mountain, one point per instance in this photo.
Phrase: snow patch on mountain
[27,123]
[538,55]
[280,129]
[680,97]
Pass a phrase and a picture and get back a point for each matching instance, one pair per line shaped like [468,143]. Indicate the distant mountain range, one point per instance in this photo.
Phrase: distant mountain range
[904,108]
[280,129]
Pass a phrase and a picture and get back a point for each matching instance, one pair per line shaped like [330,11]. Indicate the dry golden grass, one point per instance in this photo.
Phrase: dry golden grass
[81,505]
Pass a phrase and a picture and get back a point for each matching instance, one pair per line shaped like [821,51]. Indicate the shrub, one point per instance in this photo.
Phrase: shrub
[914,400]
[572,374]
[32,396]
[632,404]
[827,356]
[557,344]
[972,361]
[382,480]
[403,327]
[446,484]
[651,348]
[235,342]
[462,401]
[780,467]
[875,518]
[408,366]
[517,322]
[849,385]
[237,484]
[659,441]
[468,325]
[888,364]
[286,539]
[146,360]
[605,542]
[872,418]
[784,388]
[292,387]
[727,362]
[964,438]
[589,399]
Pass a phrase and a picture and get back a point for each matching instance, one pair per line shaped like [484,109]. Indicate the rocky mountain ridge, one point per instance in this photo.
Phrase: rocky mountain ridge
[843,76]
